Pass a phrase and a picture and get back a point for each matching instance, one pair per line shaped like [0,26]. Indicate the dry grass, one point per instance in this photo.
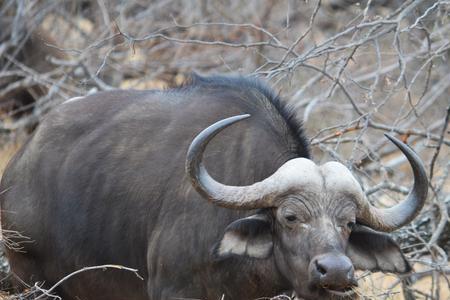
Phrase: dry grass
[380,286]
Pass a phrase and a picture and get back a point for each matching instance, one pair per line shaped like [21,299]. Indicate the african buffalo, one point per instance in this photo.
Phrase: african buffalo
[120,177]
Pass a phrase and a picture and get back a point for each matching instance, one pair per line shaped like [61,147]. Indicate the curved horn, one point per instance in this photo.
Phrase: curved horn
[392,218]
[257,195]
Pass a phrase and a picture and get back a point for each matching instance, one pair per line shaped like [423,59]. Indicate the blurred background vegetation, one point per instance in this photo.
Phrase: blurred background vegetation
[352,70]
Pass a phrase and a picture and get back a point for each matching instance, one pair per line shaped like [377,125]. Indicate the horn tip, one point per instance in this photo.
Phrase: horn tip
[393,139]
[244,116]
[389,136]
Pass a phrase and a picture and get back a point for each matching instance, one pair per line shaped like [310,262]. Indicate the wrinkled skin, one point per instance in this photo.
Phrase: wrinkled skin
[312,228]
[326,232]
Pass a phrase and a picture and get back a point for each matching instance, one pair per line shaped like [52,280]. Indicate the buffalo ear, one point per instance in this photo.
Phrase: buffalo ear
[250,237]
[375,251]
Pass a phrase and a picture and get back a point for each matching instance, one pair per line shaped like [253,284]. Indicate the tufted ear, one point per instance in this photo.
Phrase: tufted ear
[374,251]
[251,237]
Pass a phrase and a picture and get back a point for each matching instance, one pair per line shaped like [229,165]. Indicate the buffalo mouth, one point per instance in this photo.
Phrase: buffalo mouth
[327,293]
[321,292]
[346,292]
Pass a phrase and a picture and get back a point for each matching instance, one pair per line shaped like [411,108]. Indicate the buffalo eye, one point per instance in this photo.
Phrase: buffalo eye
[350,225]
[291,218]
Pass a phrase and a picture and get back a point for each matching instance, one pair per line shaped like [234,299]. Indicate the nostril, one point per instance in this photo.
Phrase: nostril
[351,276]
[353,281]
[320,268]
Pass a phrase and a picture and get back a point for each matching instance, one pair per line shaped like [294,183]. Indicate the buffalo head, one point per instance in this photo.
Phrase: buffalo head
[314,221]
